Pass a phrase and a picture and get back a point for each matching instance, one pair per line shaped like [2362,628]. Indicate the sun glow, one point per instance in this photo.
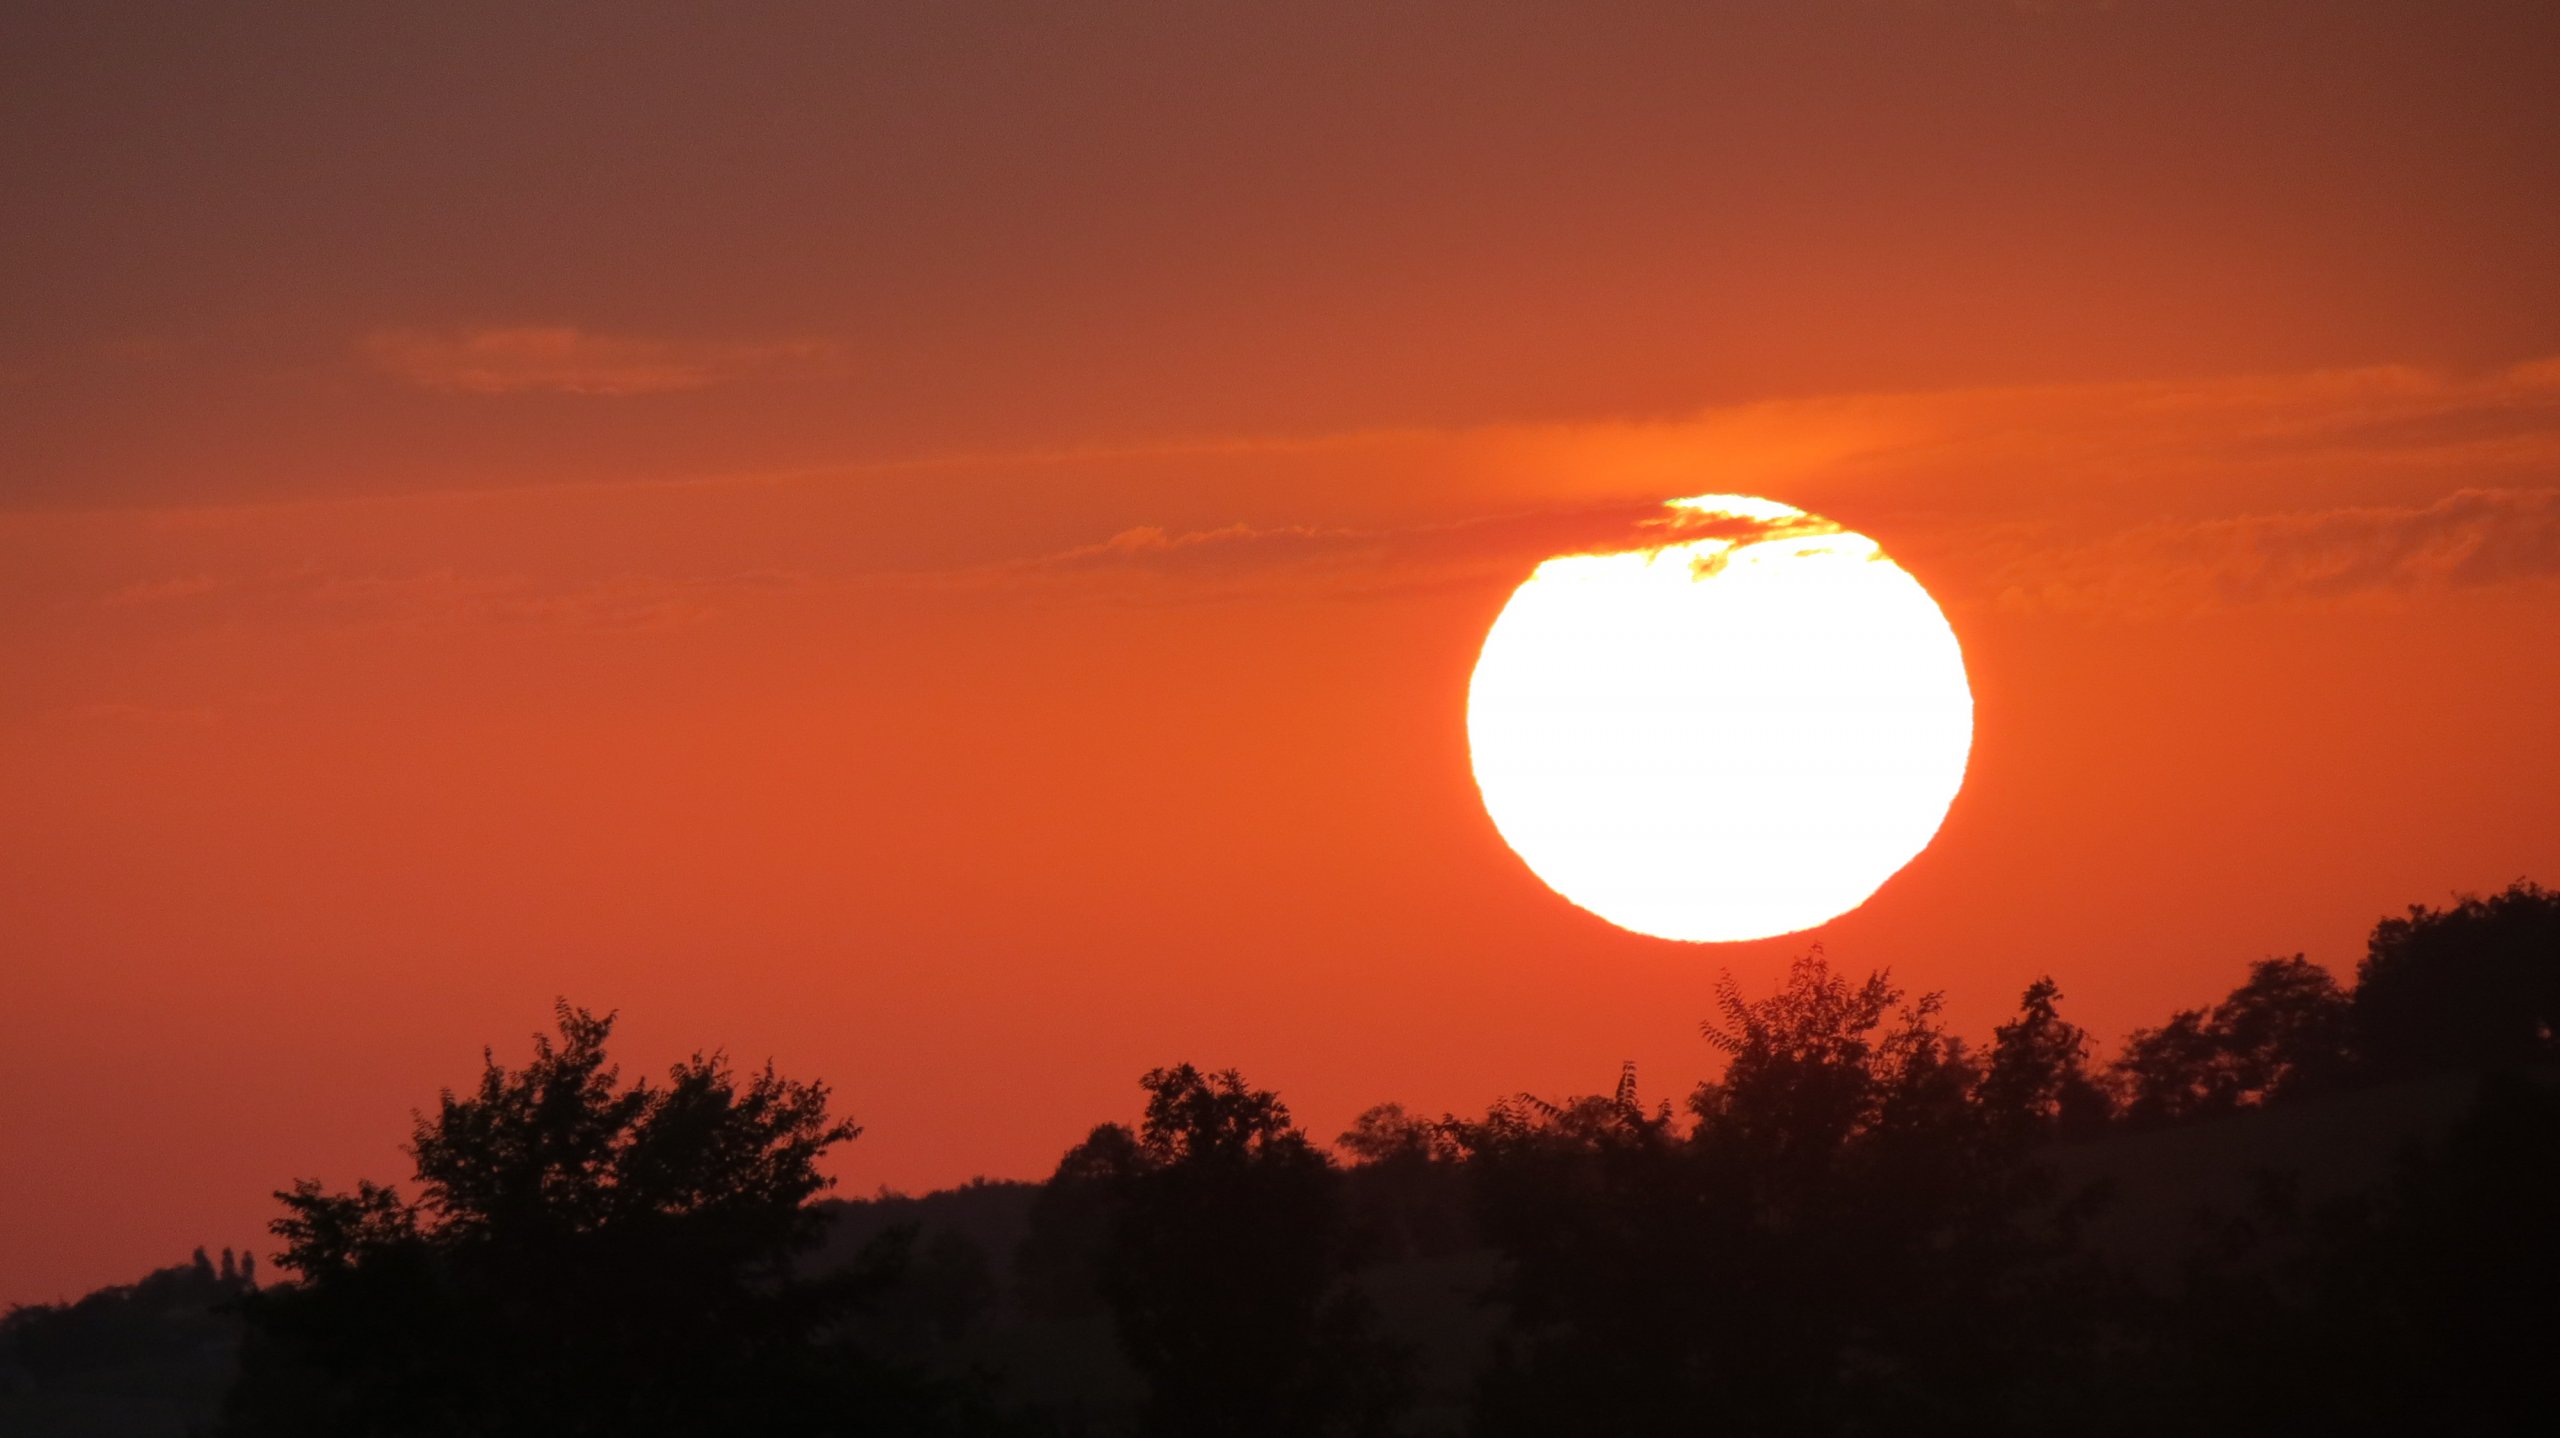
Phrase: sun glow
[1723,737]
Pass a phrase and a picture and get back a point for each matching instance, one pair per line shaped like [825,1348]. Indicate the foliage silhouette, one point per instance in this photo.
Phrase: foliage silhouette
[584,1256]
[1385,1133]
[1223,1261]
[2474,984]
[141,1359]
[1406,1187]
[2282,1033]
[1058,1270]
[1843,1239]
[2423,1307]
[1860,1225]
[2037,1082]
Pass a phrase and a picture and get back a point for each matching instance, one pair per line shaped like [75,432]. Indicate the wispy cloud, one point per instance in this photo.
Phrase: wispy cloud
[2034,498]
[2125,498]
[565,360]
[1242,554]
[449,599]
[2467,539]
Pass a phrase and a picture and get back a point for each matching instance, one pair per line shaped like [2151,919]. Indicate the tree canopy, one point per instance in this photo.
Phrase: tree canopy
[583,1255]
[1860,1223]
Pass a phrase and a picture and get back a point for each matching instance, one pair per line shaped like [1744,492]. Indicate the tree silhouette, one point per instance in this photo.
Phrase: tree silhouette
[1857,1227]
[1847,1240]
[2281,1033]
[2037,1081]
[2422,1306]
[1224,1267]
[1813,1068]
[583,1256]
[1384,1133]
[165,1343]
[1614,1244]
[1405,1189]
[1057,1270]
[2473,985]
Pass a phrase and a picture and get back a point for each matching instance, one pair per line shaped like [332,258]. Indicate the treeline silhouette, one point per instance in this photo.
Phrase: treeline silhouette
[155,1356]
[2304,1206]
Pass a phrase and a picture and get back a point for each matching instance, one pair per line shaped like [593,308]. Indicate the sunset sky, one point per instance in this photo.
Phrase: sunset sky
[944,544]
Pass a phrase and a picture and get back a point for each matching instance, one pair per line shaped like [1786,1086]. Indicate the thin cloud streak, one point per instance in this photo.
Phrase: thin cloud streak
[2042,479]
[562,359]
[2040,498]
[2470,539]
[444,599]
[1482,546]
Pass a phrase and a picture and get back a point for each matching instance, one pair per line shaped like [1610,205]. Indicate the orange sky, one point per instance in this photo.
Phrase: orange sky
[946,547]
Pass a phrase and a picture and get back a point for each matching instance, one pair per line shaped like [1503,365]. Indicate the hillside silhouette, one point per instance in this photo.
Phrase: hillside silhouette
[2303,1205]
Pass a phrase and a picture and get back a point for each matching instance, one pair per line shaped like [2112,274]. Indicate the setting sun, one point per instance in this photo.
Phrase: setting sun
[988,719]
[1724,737]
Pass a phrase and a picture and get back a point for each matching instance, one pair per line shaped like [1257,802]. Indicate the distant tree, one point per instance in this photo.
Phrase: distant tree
[1814,1066]
[1385,1132]
[1405,1191]
[2284,1030]
[2281,1033]
[1844,1241]
[174,1329]
[2442,1300]
[583,1257]
[1224,1265]
[2424,1305]
[1613,1239]
[2037,1081]
[1847,1121]
[1057,1270]
[953,1283]
[2172,1073]
[2473,985]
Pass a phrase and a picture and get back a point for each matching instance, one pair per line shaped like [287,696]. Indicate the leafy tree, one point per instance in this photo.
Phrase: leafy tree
[583,1256]
[1613,1238]
[2281,1033]
[2473,985]
[1224,1267]
[1384,1133]
[2037,1081]
[2172,1073]
[1847,1239]
[1405,1190]
[1057,1270]
[2284,1030]
[1806,1068]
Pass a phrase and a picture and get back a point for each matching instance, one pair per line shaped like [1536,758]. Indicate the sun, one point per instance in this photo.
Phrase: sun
[1739,732]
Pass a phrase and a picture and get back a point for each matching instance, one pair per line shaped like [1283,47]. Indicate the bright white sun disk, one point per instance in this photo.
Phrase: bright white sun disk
[1723,738]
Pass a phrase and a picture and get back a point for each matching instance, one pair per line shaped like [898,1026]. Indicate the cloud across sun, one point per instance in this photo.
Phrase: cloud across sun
[1729,736]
